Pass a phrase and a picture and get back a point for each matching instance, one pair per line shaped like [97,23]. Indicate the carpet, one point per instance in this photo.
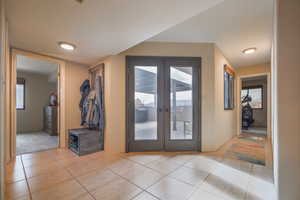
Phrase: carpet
[35,141]
[248,148]
[255,130]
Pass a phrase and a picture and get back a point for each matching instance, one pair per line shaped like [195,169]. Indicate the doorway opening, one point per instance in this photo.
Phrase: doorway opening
[36,97]
[254,105]
[163,103]
[253,143]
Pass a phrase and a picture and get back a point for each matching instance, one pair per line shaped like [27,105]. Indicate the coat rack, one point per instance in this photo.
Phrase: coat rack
[97,70]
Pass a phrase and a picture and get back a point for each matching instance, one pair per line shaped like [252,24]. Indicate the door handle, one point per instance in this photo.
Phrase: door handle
[161,109]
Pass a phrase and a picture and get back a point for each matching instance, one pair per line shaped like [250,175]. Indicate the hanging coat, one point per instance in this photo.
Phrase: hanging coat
[92,105]
[100,102]
[84,91]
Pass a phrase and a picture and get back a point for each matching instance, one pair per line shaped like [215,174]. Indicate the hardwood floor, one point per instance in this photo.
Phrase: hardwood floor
[60,175]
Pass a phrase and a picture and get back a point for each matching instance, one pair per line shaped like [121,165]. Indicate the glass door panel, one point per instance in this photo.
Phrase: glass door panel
[181,103]
[145,98]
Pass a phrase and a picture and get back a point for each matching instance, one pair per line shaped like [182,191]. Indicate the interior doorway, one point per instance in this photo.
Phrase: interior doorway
[254,105]
[163,104]
[36,105]
[34,78]
[254,141]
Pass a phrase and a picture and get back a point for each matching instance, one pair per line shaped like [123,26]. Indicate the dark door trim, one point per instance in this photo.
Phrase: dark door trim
[183,144]
[131,143]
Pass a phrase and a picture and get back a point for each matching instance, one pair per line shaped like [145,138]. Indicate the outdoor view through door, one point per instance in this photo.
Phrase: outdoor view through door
[181,102]
[145,97]
[163,103]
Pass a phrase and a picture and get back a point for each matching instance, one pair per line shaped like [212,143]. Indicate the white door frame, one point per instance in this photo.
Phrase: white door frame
[61,96]
[239,111]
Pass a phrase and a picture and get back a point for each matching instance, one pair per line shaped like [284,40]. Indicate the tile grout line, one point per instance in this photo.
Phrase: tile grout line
[168,176]
[142,189]
[80,183]
[108,169]
[64,168]
[163,175]
[205,180]
[29,190]
[197,185]
[67,168]
[180,165]
[144,165]
[132,198]
[127,181]
[26,178]
[152,195]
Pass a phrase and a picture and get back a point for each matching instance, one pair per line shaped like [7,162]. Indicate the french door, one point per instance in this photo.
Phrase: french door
[163,103]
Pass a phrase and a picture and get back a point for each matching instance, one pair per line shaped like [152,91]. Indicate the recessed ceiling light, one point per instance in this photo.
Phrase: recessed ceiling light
[66,46]
[249,50]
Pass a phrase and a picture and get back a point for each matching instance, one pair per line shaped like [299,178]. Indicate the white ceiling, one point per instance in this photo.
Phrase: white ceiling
[35,66]
[233,25]
[98,28]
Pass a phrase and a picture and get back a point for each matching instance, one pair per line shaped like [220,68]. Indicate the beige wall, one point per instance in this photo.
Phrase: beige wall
[254,69]
[75,74]
[114,104]
[286,72]
[7,119]
[37,91]
[115,90]
[4,53]
[226,119]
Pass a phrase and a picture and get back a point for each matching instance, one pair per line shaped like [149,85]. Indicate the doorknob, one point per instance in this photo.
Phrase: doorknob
[161,109]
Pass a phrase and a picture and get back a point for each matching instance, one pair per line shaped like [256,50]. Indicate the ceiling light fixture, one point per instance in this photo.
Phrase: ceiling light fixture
[249,50]
[66,46]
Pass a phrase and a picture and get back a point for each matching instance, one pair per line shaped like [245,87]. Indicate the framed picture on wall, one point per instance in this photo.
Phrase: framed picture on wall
[228,88]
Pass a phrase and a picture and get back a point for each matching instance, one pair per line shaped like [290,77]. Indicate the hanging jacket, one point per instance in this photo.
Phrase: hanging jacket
[92,105]
[100,102]
[84,91]
[92,115]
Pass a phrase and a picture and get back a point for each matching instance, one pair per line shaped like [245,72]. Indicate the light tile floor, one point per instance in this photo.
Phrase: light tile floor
[60,175]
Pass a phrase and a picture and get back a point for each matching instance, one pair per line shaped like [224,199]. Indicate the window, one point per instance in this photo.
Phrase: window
[20,94]
[228,88]
[256,94]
